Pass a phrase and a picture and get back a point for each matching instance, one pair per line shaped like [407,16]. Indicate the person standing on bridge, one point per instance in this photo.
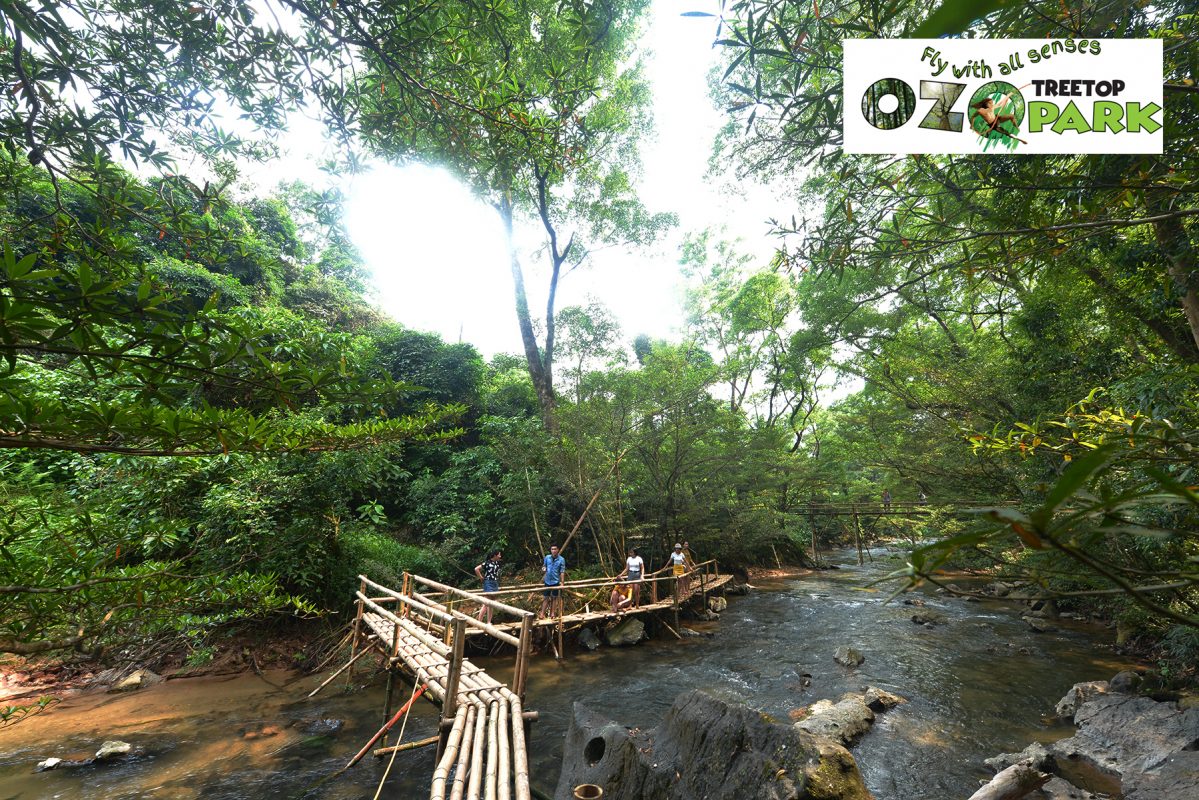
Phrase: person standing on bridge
[886,500]
[553,570]
[678,567]
[489,573]
[634,573]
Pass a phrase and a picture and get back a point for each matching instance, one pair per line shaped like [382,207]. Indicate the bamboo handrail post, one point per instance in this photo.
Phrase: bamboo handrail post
[455,675]
[357,631]
[522,654]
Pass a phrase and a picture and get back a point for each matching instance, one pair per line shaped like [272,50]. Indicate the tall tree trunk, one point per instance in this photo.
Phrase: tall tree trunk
[539,372]
[1175,244]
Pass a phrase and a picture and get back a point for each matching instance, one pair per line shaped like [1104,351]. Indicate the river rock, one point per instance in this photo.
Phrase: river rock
[1035,755]
[717,604]
[139,679]
[1080,693]
[848,657]
[706,748]
[737,589]
[48,764]
[626,632]
[929,618]
[913,601]
[113,749]
[1038,625]
[588,639]
[846,721]
[1058,789]
[881,700]
[321,726]
[1126,682]
[1143,747]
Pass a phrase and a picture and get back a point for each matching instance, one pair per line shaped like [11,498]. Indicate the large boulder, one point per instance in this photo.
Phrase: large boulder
[629,631]
[588,639]
[717,604]
[1144,747]
[706,748]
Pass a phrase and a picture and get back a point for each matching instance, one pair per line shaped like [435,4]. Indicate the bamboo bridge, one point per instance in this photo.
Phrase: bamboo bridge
[422,630]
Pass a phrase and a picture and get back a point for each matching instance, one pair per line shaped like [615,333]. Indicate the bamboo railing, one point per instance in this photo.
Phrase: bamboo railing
[483,722]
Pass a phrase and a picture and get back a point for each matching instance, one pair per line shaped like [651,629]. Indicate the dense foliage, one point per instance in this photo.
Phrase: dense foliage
[203,419]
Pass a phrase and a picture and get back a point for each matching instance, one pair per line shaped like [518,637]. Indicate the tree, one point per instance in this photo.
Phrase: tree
[556,141]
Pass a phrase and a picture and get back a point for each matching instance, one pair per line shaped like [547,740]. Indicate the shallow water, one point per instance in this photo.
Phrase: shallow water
[972,694]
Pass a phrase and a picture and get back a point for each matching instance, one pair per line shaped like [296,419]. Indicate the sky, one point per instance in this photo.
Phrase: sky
[438,256]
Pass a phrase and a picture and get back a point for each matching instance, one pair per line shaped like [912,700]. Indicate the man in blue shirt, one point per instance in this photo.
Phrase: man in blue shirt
[554,572]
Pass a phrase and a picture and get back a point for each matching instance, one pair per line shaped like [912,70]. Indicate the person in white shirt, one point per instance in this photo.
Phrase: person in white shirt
[634,574]
[677,563]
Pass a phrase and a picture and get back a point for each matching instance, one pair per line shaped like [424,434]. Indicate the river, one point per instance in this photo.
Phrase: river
[979,685]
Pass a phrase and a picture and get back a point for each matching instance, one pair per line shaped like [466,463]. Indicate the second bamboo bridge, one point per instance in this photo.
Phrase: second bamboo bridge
[422,630]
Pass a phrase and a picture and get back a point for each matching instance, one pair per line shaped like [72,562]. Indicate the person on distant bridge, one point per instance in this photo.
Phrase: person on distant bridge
[553,570]
[489,573]
[678,567]
[886,500]
[634,575]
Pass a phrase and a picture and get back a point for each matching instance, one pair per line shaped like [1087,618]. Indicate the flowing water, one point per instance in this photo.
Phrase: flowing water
[979,685]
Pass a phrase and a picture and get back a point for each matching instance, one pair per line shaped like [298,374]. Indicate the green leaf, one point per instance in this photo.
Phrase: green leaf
[955,16]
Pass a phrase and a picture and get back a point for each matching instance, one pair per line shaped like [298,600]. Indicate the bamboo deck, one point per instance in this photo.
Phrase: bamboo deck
[578,618]
[422,629]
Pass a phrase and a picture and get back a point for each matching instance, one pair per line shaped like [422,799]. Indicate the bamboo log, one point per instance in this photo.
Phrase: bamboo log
[1012,783]
[463,766]
[520,756]
[504,768]
[386,726]
[357,627]
[342,669]
[486,627]
[455,674]
[472,596]
[493,754]
[475,778]
[401,748]
[441,773]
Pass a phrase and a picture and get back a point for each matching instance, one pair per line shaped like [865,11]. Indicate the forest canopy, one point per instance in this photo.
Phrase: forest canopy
[205,419]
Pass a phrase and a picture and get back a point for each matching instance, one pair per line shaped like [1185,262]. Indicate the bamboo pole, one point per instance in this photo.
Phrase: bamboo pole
[357,628]
[487,628]
[476,597]
[342,669]
[857,534]
[386,727]
[455,675]
[520,756]
[493,754]
[449,756]
[402,748]
[526,634]
[463,766]
[504,767]
[475,776]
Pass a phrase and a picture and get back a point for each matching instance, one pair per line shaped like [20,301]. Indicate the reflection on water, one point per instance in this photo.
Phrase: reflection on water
[979,685]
